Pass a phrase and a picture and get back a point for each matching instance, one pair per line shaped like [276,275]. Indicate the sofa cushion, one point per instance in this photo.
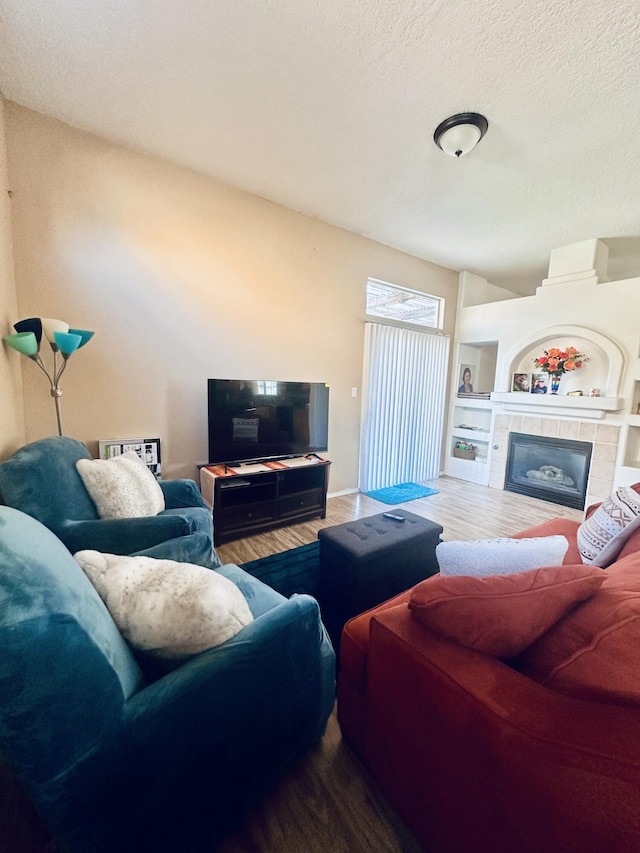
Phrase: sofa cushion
[48,606]
[502,615]
[34,478]
[566,527]
[593,652]
[500,556]
[604,532]
[166,609]
[121,487]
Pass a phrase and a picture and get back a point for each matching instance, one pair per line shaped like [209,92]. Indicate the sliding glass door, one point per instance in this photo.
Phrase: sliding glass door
[403,411]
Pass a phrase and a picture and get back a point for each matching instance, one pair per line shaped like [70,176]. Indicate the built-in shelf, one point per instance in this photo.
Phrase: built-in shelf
[471,434]
[632,447]
[558,404]
[631,459]
[467,402]
[471,420]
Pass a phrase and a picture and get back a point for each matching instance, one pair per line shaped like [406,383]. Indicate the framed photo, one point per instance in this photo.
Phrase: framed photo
[148,449]
[539,383]
[521,382]
[465,378]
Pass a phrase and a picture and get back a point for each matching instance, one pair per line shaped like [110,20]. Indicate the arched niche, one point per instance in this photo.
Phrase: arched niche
[603,370]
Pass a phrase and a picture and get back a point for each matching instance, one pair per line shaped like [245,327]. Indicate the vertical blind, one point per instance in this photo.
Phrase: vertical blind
[404,394]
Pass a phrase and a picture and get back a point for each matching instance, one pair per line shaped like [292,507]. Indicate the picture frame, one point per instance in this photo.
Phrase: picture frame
[521,382]
[148,449]
[461,377]
[539,383]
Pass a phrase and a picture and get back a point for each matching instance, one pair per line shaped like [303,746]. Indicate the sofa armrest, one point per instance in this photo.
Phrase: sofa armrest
[195,548]
[279,652]
[450,731]
[182,493]
[236,714]
[122,535]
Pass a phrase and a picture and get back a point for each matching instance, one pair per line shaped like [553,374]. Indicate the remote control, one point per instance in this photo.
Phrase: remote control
[393,516]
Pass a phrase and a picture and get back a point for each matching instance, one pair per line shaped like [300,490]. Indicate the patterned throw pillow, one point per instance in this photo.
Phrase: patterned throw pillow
[602,535]
[121,487]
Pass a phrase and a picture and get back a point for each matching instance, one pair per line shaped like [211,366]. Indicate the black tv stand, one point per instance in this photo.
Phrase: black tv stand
[248,502]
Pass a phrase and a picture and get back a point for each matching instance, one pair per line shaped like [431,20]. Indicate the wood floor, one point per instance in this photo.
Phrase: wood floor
[465,510]
[326,803]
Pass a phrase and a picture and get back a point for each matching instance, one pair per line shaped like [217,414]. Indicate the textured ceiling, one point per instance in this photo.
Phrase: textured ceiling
[328,107]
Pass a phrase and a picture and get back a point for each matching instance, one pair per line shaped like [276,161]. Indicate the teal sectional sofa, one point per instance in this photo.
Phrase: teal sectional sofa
[113,760]
[41,479]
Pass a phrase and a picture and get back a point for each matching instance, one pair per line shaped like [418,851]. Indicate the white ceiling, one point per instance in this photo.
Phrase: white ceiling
[329,106]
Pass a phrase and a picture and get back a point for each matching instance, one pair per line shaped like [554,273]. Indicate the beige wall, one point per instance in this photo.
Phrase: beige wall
[12,433]
[184,278]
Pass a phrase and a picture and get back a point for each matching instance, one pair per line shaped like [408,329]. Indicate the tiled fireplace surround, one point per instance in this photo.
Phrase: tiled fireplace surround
[604,438]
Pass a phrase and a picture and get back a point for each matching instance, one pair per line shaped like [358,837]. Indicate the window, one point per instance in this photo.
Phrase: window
[267,389]
[402,305]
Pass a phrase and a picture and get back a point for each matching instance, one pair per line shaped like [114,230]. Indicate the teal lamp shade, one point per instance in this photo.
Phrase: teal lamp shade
[33,324]
[67,343]
[25,342]
[63,340]
[50,327]
[85,335]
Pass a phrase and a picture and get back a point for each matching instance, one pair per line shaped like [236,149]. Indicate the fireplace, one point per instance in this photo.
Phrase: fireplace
[551,469]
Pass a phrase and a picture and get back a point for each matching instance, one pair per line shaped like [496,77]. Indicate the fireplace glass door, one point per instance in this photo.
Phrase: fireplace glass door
[552,469]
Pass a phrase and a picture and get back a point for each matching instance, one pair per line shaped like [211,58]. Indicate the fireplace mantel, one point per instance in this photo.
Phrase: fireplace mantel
[557,404]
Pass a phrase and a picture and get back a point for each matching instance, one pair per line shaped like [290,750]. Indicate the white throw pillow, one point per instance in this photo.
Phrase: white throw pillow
[600,537]
[166,609]
[121,487]
[500,556]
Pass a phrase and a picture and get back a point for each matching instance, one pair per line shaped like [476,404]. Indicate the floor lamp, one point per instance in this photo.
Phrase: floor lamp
[64,342]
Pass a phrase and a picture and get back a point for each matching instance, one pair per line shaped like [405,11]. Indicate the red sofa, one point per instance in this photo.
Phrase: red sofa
[478,754]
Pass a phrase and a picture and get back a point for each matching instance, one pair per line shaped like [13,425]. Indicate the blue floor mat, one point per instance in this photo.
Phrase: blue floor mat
[403,492]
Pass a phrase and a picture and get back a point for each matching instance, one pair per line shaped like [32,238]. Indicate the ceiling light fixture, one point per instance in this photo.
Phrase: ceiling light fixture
[459,134]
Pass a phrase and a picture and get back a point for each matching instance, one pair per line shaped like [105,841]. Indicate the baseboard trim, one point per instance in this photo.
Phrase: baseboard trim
[342,493]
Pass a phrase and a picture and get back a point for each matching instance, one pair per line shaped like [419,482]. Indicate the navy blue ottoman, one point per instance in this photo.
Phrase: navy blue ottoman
[365,562]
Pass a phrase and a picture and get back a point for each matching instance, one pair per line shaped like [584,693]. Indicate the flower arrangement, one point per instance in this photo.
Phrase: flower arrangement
[557,362]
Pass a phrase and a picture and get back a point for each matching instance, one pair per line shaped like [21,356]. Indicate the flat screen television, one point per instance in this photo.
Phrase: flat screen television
[252,419]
